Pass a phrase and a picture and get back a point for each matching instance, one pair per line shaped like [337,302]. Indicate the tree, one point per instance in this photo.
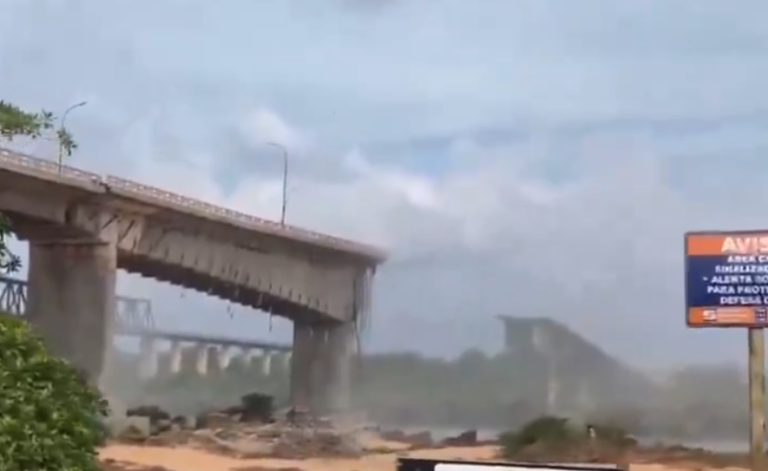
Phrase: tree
[50,418]
[9,262]
[16,123]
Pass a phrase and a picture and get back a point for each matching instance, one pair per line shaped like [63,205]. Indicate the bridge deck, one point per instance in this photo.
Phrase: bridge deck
[152,197]
[207,339]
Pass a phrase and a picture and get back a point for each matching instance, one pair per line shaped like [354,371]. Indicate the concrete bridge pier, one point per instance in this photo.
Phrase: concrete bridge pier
[201,354]
[335,355]
[225,355]
[72,301]
[175,357]
[266,363]
[252,356]
[321,366]
[301,367]
[212,359]
[147,358]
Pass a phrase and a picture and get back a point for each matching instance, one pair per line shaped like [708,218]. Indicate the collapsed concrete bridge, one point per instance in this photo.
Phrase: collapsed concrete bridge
[81,227]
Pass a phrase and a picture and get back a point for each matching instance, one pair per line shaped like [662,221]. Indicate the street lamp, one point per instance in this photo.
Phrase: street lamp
[284,151]
[62,129]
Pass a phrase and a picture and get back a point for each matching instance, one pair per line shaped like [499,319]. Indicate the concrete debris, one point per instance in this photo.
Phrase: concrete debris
[245,431]
[415,440]
[251,430]
[468,438]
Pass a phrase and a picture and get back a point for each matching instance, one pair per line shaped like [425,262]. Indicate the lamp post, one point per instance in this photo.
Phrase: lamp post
[62,129]
[284,151]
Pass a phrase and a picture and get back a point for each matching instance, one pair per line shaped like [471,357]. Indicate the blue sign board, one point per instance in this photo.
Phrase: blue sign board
[726,279]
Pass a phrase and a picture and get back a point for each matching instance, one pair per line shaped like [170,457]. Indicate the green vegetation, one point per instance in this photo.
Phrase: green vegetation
[554,432]
[50,418]
[16,123]
[9,262]
[562,439]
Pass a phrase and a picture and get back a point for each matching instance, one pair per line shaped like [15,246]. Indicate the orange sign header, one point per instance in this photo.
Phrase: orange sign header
[731,243]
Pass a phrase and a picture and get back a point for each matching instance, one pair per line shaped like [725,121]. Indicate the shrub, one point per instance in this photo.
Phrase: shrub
[50,418]
[552,432]
[557,438]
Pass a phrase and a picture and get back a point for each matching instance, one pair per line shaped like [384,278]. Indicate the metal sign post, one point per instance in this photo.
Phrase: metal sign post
[756,397]
[726,285]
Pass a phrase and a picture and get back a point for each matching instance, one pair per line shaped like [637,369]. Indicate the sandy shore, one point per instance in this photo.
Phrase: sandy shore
[180,459]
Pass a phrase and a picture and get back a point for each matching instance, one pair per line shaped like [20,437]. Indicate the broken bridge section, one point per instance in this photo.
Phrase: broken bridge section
[82,227]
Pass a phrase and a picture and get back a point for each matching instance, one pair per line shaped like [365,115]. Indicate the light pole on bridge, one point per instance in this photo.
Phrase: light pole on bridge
[284,151]
[63,129]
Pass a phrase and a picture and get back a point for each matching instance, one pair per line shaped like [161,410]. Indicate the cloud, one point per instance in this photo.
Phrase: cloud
[263,126]
[529,158]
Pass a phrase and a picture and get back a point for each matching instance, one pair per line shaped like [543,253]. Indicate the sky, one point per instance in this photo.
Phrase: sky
[528,158]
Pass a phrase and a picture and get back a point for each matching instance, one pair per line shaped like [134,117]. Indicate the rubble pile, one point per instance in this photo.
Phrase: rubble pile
[248,430]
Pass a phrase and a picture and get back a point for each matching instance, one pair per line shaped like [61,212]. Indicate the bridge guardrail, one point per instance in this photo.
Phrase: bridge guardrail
[37,164]
[162,196]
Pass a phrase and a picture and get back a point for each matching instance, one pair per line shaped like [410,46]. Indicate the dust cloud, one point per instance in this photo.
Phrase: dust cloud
[545,369]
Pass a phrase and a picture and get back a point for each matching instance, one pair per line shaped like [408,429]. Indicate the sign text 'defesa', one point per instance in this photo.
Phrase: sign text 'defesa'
[726,279]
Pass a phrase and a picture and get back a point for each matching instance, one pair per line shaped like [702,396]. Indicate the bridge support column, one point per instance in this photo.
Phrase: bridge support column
[201,365]
[266,363]
[147,358]
[333,379]
[175,357]
[225,356]
[71,301]
[301,366]
[253,358]
[212,360]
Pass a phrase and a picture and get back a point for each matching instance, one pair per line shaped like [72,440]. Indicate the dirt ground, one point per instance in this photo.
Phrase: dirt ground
[143,458]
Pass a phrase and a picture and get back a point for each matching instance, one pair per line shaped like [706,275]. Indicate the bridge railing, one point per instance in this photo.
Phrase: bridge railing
[247,221]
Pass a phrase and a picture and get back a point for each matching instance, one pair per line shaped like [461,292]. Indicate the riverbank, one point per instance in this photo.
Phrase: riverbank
[153,458]
[185,459]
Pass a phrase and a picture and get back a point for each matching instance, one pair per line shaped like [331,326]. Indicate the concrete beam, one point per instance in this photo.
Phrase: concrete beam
[328,289]
[71,301]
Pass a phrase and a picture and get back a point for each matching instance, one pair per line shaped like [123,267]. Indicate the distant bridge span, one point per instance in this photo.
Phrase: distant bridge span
[133,317]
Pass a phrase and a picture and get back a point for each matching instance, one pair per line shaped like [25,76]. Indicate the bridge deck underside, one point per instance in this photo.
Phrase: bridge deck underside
[230,292]
[133,317]
[30,228]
